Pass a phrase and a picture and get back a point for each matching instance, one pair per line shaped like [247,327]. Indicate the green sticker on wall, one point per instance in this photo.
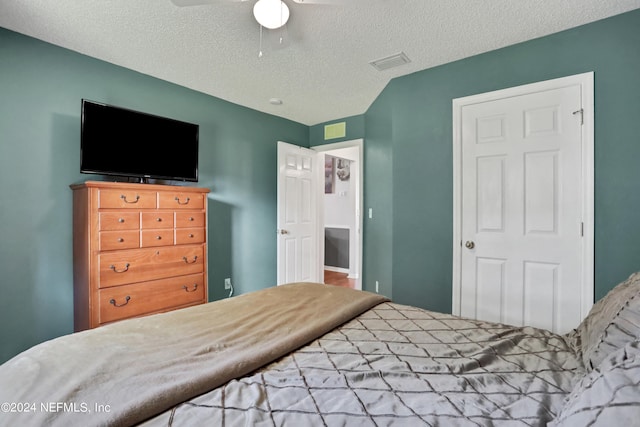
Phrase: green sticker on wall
[335,130]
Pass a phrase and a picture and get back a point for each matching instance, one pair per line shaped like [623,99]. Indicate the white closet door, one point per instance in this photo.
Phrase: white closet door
[521,234]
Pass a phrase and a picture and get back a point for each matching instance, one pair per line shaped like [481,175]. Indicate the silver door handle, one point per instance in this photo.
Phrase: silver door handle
[470,244]
[282,231]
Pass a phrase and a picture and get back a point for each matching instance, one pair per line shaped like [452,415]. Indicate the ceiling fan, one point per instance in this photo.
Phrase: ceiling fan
[271,14]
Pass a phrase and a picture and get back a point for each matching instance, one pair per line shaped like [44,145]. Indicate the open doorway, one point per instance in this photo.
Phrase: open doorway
[340,213]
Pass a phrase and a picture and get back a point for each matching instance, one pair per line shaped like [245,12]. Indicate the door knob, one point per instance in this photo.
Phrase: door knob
[470,244]
[283,231]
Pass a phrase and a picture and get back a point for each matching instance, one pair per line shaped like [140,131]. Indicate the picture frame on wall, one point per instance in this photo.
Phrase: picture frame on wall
[343,166]
[329,168]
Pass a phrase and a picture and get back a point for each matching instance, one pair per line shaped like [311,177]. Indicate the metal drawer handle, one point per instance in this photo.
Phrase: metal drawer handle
[120,240]
[195,286]
[158,237]
[191,235]
[123,197]
[120,220]
[113,267]
[195,257]
[191,218]
[159,219]
[186,202]
[126,301]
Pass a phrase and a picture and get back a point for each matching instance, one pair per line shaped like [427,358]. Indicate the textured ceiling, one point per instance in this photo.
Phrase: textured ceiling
[322,70]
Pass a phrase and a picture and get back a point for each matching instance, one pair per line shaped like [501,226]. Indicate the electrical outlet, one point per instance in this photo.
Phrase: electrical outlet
[227,283]
[377,287]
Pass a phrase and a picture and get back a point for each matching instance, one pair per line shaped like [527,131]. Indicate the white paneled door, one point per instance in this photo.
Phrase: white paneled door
[522,213]
[297,214]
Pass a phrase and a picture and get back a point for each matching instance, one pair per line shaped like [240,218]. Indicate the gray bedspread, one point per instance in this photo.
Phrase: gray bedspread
[400,365]
[126,372]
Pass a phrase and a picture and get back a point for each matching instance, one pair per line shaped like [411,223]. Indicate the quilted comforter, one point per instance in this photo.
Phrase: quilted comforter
[399,365]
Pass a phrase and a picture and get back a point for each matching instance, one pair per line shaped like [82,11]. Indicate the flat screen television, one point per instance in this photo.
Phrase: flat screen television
[122,142]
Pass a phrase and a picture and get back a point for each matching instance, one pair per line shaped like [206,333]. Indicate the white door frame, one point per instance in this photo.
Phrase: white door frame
[585,80]
[321,149]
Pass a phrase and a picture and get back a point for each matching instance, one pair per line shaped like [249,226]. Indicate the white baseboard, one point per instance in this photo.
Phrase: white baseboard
[336,269]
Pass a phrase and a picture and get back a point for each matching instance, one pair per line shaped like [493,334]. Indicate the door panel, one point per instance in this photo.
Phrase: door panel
[541,193]
[290,201]
[491,193]
[489,288]
[290,253]
[541,294]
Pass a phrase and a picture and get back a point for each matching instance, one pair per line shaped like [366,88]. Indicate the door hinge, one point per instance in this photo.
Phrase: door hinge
[581,112]
[582,229]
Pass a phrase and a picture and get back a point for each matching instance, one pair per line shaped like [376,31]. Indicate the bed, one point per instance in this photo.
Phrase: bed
[309,354]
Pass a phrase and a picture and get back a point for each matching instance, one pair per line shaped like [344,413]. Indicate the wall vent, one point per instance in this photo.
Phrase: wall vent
[390,61]
[335,130]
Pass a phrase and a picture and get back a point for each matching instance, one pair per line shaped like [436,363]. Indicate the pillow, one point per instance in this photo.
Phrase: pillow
[607,396]
[612,322]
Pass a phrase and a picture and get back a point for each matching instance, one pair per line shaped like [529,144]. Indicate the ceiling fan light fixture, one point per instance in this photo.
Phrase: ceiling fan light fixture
[271,14]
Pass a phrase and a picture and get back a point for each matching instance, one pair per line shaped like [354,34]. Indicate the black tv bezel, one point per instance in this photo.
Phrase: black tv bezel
[141,176]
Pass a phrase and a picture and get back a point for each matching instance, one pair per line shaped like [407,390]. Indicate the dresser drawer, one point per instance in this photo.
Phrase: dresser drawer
[125,239]
[121,302]
[179,200]
[157,219]
[161,237]
[190,219]
[139,265]
[127,199]
[190,235]
[119,220]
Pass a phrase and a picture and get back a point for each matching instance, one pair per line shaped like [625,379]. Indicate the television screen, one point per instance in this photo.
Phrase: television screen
[122,142]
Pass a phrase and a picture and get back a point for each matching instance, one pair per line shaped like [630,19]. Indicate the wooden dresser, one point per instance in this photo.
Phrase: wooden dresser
[138,249]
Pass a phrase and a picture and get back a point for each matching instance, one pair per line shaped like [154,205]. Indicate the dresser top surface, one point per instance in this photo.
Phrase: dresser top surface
[137,186]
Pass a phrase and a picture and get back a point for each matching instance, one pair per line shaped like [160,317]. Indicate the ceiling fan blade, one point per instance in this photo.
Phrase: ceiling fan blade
[184,3]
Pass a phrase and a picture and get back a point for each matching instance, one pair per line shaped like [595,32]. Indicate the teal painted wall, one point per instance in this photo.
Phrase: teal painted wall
[377,258]
[40,91]
[408,163]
